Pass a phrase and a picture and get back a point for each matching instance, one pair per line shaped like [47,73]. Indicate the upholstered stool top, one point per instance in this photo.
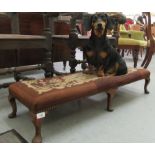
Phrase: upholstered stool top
[42,94]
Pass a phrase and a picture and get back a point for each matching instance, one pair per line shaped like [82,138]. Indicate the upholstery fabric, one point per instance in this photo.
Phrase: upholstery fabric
[136,37]
[128,41]
[60,82]
[124,34]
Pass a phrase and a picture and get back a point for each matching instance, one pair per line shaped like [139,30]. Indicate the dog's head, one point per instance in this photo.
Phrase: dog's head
[99,23]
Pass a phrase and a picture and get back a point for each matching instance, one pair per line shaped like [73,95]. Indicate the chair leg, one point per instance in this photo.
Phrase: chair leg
[123,51]
[146,57]
[37,124]
[135,57]
[13,105]
[119,51]
[141,52]
[147,81]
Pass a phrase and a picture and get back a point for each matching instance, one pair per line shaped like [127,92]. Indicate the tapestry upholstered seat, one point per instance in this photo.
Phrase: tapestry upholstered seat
[39,96]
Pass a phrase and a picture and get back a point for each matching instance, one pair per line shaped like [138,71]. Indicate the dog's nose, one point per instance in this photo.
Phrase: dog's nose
[99,25]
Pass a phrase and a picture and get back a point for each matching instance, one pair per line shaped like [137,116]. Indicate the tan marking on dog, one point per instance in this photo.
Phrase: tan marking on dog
[103,54]
[113,70]
[90,53]
[116,66]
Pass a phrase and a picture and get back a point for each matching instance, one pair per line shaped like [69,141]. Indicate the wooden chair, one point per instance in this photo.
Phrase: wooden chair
[135,42]
[151,43]
[133,37]
[153,30]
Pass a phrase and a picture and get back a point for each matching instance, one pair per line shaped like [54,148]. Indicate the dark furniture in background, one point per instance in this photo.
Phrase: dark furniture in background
[21,45]
[5,24]
[31,24]
[21,23]
[17,41]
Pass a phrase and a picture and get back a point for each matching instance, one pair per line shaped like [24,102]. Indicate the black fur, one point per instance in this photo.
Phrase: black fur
[112,63]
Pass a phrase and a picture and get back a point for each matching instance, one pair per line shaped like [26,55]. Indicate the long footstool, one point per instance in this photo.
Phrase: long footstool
[40,96]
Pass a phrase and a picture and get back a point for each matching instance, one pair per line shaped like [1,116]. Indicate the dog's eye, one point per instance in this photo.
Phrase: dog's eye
[94,19]
[103,17]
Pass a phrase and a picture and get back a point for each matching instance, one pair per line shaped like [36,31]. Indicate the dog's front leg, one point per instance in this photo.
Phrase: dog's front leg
[89,69]
[100,71]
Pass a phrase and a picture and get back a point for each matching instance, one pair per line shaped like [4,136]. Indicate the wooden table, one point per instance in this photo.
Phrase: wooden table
[17,41]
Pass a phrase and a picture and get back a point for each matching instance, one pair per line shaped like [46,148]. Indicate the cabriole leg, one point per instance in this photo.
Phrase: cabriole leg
[110,94]
[13,105]
[109,104]
[147,81]
[37,124]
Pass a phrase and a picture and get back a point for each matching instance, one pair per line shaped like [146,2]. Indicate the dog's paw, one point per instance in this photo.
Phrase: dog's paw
[100,73]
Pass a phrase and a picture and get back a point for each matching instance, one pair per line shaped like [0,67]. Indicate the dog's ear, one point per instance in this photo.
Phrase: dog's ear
[122,19]
[87,22]
[109,24]
[118,18]
[86,48]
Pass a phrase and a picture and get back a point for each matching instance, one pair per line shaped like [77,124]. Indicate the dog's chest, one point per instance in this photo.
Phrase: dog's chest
[98,44]
[100,51]
[98,58]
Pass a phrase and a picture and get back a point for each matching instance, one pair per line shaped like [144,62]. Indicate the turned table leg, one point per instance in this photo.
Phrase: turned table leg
[147,81]
[37,124]
[48,60]
[64,64]
[13,105]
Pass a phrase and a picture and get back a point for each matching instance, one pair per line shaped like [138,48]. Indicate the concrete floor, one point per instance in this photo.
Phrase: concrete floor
[131,121]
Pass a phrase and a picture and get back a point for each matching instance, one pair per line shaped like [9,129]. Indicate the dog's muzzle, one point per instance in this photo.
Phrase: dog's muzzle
[99,28]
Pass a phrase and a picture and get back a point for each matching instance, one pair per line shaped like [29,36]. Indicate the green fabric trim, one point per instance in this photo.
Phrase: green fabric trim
[138,35]
[124,34]
[128,41]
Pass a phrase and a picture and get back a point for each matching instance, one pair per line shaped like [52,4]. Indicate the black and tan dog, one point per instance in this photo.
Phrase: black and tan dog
[99,53]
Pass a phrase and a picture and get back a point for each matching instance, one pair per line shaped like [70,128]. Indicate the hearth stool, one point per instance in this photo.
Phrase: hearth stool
[39,96]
